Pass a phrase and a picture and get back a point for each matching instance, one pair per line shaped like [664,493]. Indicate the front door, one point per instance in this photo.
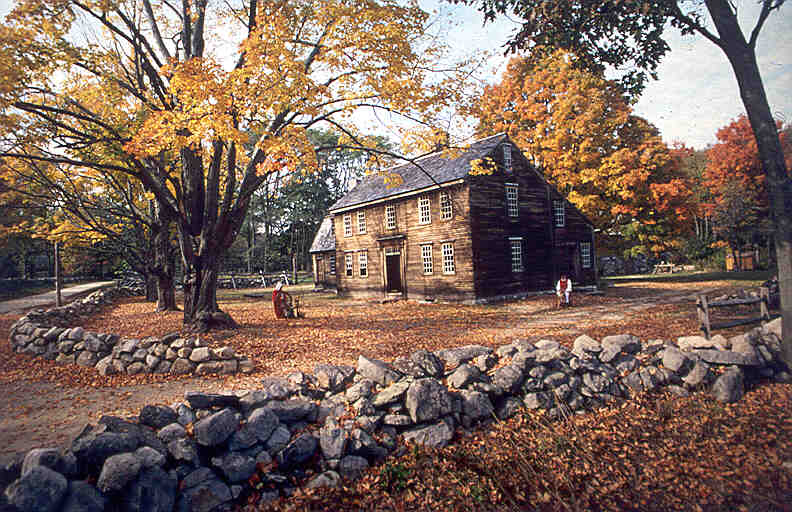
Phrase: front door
[393,273]
[320,270]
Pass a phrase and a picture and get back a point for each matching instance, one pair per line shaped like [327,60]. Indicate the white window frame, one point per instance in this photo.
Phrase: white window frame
[446,206]
[363,264]
[427,259]
[559,213]
[348,225]
[424,210]
[515,253]
[512,199]
[507,157]
[449,264]
[361,222]
[349,264]
[332,264]
[585,254]
[390,216]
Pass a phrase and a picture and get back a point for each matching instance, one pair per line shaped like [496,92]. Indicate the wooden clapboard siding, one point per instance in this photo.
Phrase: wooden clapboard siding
[480,231]
[407,237]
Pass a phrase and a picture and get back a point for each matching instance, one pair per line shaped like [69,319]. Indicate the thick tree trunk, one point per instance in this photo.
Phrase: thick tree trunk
[165,266]
[742,58]
[201,312]
[151,287]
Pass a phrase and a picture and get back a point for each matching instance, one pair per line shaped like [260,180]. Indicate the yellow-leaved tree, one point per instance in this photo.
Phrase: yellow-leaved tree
[200,101]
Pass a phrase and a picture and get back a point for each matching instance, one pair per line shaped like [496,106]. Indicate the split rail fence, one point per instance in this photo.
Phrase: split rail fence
[704,308]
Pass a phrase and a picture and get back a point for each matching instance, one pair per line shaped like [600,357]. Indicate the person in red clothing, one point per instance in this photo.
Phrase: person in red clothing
[281,301]
[563,290]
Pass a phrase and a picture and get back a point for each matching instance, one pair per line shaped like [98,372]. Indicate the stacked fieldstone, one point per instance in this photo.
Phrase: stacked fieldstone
[216,450]
[46,334]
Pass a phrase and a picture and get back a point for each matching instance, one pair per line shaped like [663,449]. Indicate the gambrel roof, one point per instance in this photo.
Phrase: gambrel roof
[325,238]
[440,167]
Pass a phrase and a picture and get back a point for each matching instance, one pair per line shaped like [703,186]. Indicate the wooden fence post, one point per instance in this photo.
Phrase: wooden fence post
[703,314]
[764,302]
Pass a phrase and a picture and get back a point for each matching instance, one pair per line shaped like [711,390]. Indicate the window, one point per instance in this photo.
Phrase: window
[446,209]
[347,225]
[558,213]
[516,254]
[363,264]
[507,158]
[424,213]
[512,206]
[390,217]
[426,257]
[361,218]
[585,254]
[348,262]
[448,258]
[332,264]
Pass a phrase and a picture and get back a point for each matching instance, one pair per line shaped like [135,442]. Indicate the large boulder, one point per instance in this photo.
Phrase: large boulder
[428,400]
[83,497]
[154,490]
[376,370]
[39,490]
[729,387]
[437,435]
[118,471]
[216,428]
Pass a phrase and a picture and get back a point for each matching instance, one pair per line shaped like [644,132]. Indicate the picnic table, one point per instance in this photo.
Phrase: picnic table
[664,268]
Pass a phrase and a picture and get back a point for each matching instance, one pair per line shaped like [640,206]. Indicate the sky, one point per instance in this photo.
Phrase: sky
[696,93]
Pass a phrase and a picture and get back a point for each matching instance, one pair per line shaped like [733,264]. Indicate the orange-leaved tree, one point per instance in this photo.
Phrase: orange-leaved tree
[579,128]
[201,101]
[736,180]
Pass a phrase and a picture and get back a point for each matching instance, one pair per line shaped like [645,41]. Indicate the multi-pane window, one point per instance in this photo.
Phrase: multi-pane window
[512,206]
[448,258]
[390,216]
[361,218]
[424,211]
[516,254]
[347,225]
[426,258]
[507,157]
[332,264]
[558,213]
[349,263]
[585,254]
[363,264]
[446,208]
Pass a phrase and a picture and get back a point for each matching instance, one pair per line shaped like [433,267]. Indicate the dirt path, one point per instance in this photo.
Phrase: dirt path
[44,414]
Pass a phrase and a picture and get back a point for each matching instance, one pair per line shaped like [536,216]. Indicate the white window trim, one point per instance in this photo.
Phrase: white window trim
[424,200]
[349,264]
[446,270]
[507,158]
[332,264]
[559,213]
[445,201]
[361,222]
[427,259]
[363,264]
[585,254]
[347,225]
[390,219]
[512,208]
[512,246]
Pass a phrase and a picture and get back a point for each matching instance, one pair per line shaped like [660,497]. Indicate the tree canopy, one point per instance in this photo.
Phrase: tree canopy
[169,95]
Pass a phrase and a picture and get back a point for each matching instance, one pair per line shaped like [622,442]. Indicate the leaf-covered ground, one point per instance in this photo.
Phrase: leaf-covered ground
[656,454]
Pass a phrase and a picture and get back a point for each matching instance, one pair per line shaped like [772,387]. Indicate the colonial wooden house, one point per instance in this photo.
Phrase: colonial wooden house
[446,234]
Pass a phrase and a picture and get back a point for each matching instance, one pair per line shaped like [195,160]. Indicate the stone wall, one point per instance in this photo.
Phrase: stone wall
[213,451]
[48,334]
